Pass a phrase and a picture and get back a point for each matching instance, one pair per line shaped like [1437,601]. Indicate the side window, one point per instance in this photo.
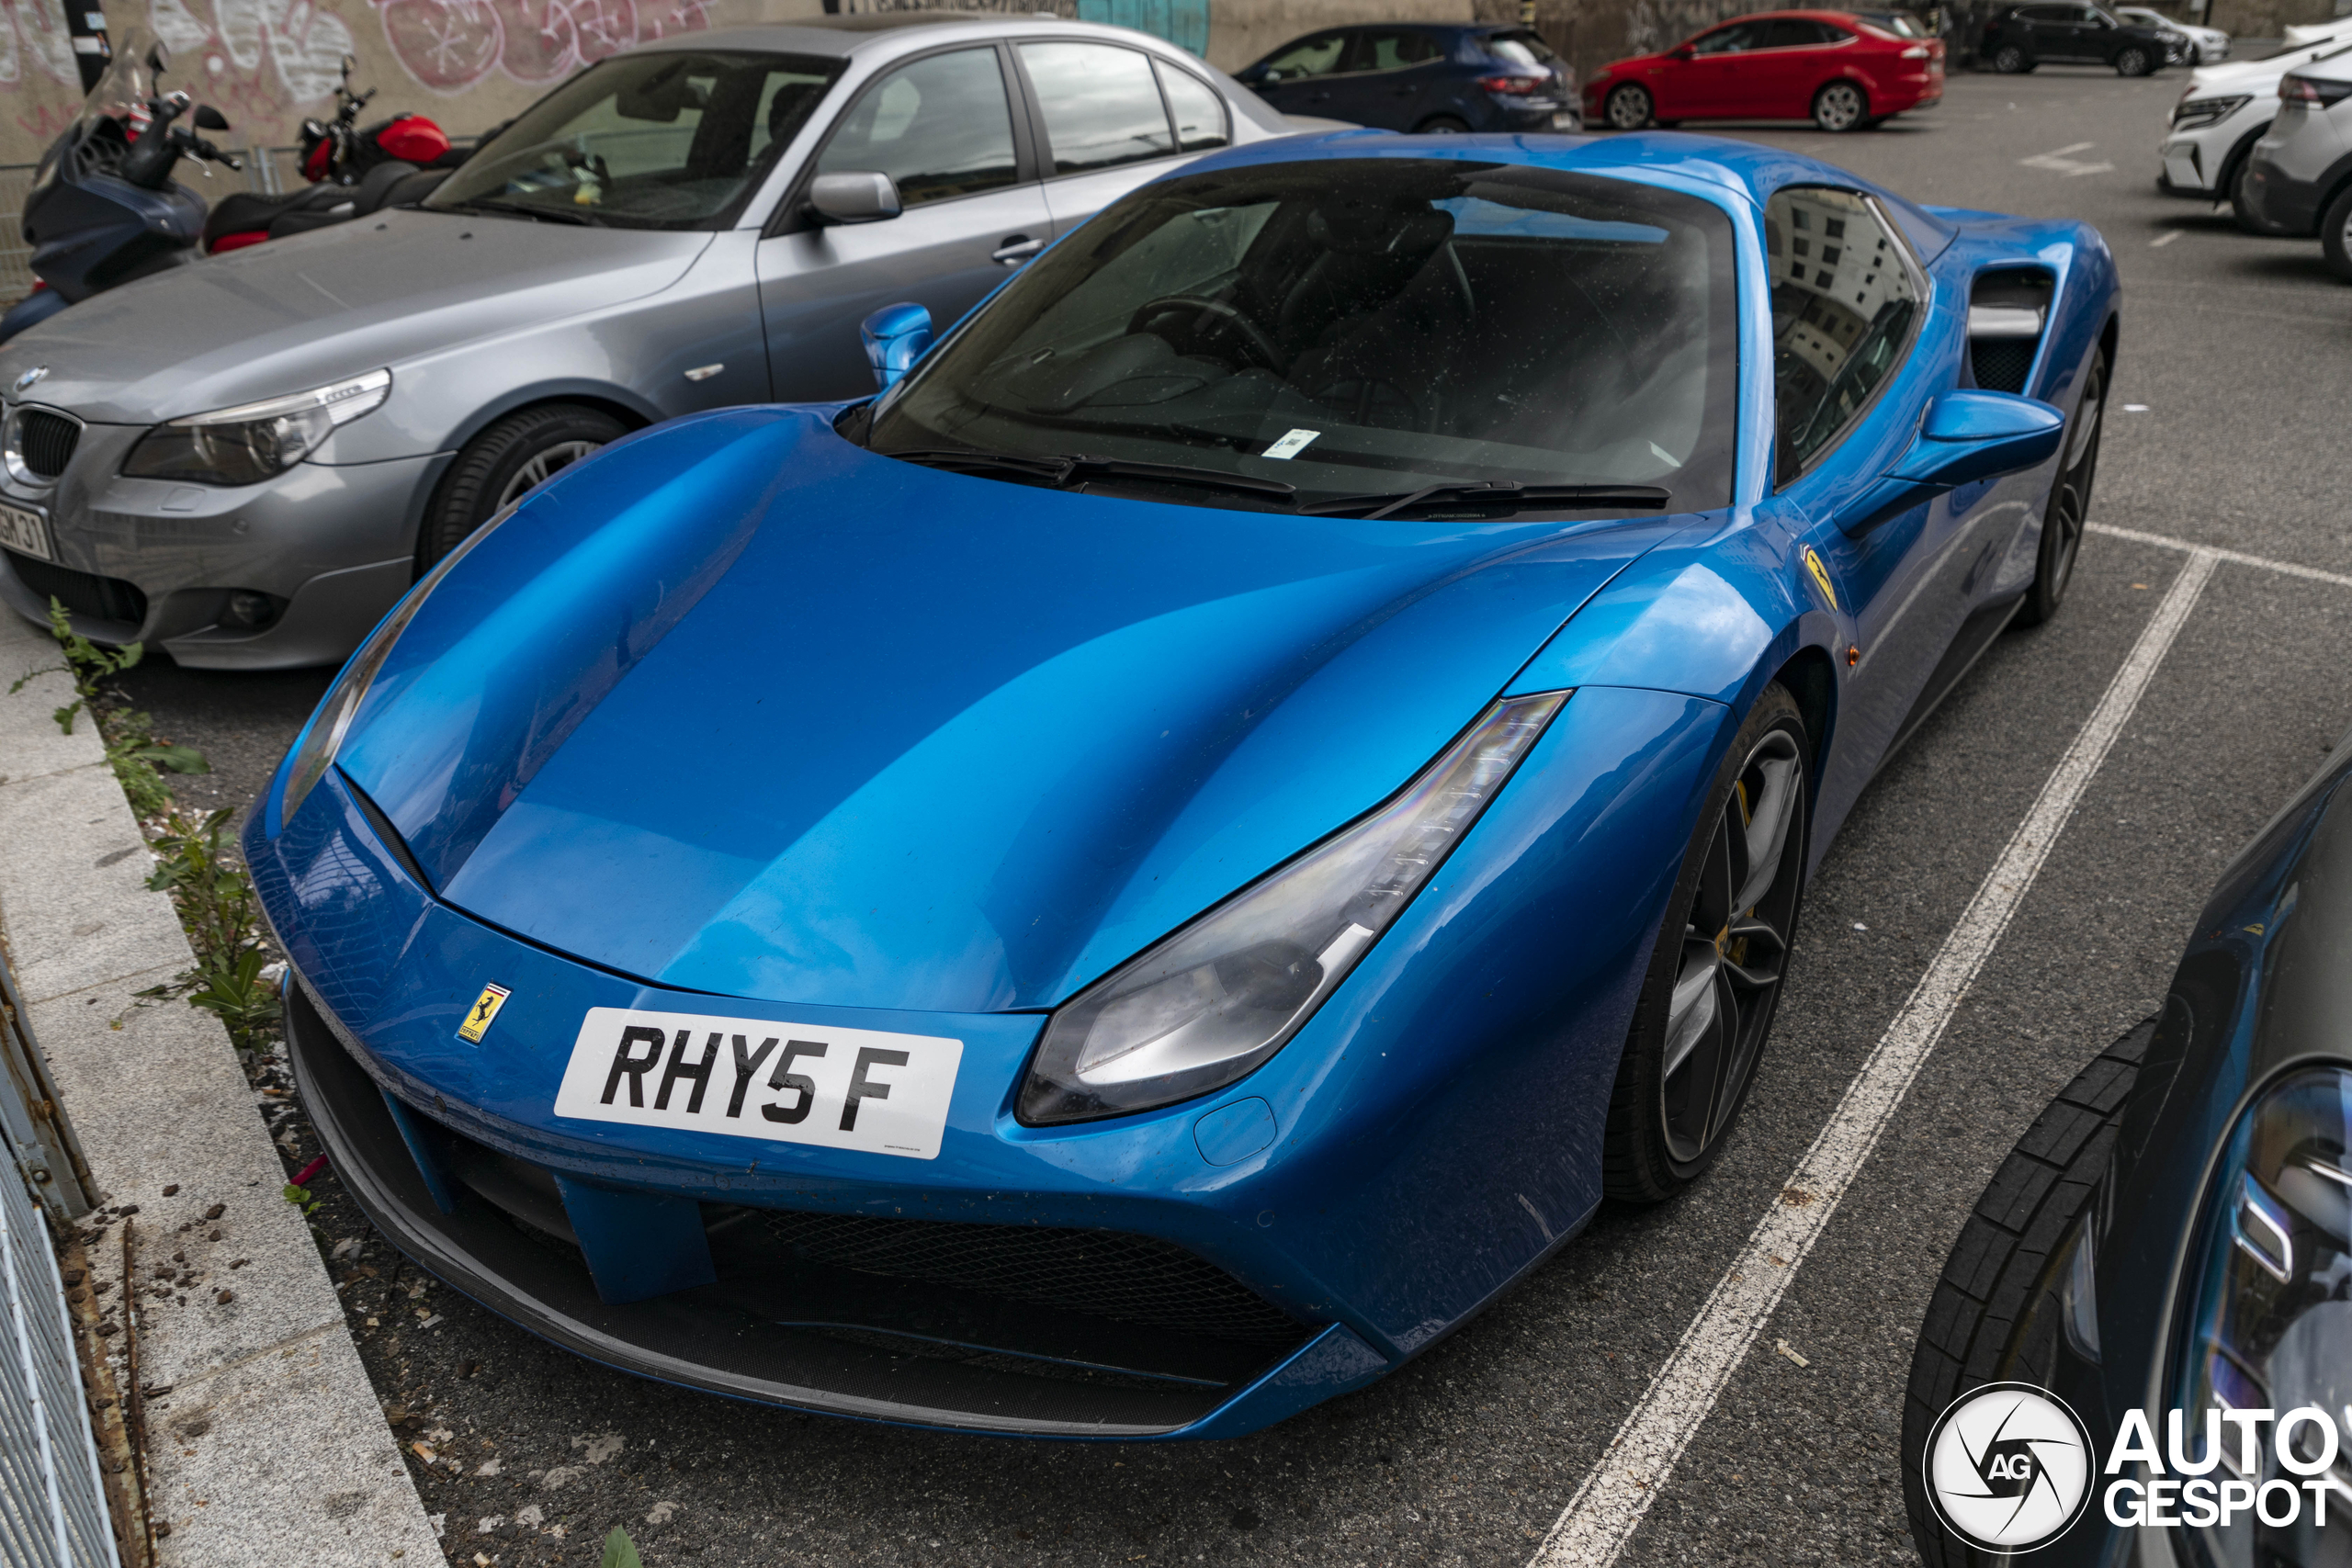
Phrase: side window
[1844,302]
[1317,56]
[1392,50]
[1101,104]
[1734,39]
[1200,113]
[940,127]
[1793,33]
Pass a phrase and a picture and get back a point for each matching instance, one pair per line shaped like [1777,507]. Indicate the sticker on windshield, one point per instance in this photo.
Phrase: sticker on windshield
[754,1078]
[1292,445]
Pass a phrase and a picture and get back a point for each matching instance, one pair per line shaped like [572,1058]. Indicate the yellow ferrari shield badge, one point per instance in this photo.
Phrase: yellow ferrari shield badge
[484,1012]
[1813,563]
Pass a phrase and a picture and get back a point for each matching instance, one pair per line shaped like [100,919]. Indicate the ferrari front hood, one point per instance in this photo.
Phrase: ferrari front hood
[741,707]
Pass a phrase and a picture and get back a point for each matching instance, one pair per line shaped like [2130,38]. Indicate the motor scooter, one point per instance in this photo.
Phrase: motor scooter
[104,207]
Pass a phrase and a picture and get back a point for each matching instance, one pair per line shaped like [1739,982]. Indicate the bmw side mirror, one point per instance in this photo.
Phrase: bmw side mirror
[895,337]
[1967,436]
[853,198]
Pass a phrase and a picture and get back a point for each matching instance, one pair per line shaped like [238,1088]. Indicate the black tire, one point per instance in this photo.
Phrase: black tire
[2063,519]
[2133,60]
[1629,106]
[1442,125]
[1705,1011]
[2234,188]
[2335,235]
[1998,1313]
[504,463]
[1842,105]
[2010,60]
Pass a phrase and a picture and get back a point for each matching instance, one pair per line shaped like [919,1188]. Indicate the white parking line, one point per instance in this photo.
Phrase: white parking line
[2061,162]
[2235,557]
[1601,1518]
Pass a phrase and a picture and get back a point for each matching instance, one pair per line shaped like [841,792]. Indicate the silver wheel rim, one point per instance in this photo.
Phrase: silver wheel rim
[544,466]
[1734,947]
[1840,107]
[2132,63]
[1628,108]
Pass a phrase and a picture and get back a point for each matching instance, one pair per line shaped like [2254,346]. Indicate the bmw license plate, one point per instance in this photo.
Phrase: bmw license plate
[753,1077]
[27,533]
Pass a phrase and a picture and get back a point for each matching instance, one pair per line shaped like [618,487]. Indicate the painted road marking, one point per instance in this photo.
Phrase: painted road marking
[1602,1515]
[2062,162]
[2161,240]
[2235,557]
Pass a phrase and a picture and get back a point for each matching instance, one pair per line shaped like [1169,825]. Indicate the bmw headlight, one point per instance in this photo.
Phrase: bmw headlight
[2269,1324]
[253,442]
[2196,114]
[315,748]
[1207,1005]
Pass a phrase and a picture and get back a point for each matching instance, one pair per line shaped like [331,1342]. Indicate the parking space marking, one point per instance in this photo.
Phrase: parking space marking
[1599,1520]
[2235,557]
[2060,161]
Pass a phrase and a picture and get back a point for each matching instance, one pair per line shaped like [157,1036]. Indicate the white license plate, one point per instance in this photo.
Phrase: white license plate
[1564,120]
[753,1077]
[24,532]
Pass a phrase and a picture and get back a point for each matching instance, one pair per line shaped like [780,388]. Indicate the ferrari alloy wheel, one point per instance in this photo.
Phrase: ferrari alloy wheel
[1628,107]
[1714,977]
[2132,61]
[2069,499]
[2009,60]
[2335,235]
[1839,106]
[505,463]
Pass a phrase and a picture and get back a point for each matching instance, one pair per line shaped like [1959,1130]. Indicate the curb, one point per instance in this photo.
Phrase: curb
[270,1447]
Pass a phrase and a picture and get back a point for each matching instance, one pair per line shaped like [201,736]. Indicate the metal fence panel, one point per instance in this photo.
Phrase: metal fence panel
[52,1504]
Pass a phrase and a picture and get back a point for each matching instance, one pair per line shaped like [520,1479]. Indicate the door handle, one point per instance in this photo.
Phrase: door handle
[1016,249]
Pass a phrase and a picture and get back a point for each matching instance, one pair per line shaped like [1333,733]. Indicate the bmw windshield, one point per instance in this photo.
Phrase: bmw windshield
[1327,332]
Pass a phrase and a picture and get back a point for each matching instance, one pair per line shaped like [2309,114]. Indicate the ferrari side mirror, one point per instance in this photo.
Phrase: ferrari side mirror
[853,198]
[895,337]
[1966,436]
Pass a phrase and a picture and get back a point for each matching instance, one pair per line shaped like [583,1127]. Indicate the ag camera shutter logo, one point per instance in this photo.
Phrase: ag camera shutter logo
[2008,1468]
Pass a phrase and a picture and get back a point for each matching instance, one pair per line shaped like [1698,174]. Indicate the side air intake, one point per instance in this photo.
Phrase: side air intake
[2007,313]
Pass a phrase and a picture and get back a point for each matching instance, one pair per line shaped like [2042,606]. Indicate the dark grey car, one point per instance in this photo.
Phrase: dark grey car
[249,460]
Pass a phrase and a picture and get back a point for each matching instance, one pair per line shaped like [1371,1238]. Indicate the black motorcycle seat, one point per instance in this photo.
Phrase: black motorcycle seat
[340,203]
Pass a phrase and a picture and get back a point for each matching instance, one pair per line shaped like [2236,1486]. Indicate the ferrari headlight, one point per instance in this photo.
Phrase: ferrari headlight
[253,442]
[315,748]
[1208,1004]
[2198,113]
[2270,1326]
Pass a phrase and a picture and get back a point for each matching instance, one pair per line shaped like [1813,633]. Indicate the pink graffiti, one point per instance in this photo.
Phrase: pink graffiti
[450,45]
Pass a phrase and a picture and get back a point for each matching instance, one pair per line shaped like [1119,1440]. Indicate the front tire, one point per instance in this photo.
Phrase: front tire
[1628,107]
[1714,977]
[505,463]
[2335,235]
[1840,107]
[2009,60]
[1999,1311]
[2069,499]
[2132,61]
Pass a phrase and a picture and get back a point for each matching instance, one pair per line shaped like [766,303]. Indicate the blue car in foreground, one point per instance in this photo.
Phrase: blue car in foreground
[1132,882]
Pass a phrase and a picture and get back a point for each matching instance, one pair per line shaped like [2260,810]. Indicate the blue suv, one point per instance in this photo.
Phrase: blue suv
[1428,77]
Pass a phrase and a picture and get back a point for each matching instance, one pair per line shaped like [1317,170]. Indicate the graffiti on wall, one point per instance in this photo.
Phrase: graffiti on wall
[451,45]
[1653,25]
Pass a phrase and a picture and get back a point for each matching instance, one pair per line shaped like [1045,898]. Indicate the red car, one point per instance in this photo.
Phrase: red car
[1841,70]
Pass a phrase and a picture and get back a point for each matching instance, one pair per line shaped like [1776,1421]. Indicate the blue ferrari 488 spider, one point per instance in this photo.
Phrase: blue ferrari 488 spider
[1131,883]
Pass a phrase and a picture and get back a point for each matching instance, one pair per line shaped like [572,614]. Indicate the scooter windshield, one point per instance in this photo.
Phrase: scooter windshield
[122,94]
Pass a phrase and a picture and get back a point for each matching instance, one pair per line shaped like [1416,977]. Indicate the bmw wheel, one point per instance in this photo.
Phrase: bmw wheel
[2132,61]
[2069,499]
[1629,106]
[1839,106]
[2335,235]
[505,463]
[1714,977]
[2009,60]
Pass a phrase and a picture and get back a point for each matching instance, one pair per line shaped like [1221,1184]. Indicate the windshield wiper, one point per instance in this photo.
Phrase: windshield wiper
[1508,493]
[1060,468]
[525,209]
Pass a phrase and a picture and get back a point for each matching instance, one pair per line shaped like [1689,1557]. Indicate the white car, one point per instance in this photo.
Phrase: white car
[2209,143]
[2299,181]
[2205,46]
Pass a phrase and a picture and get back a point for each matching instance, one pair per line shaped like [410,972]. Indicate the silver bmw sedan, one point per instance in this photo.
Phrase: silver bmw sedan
[248,459]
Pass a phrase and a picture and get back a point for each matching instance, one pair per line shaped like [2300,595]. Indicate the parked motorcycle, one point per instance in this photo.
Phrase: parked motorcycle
[352,171]
[104,207]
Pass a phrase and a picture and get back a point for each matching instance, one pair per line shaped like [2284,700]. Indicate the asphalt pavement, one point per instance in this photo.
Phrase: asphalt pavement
[2225,430]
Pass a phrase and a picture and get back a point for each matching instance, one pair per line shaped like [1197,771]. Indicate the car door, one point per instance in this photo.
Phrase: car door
[1781,77]
[1394,75]
[1707,84]
[2063,32]
[943,127]
[1297,78]
[1847,299]
[1103,121]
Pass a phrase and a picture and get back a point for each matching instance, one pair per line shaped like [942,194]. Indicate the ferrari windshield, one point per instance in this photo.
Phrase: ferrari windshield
[661,140]
[1325,330]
